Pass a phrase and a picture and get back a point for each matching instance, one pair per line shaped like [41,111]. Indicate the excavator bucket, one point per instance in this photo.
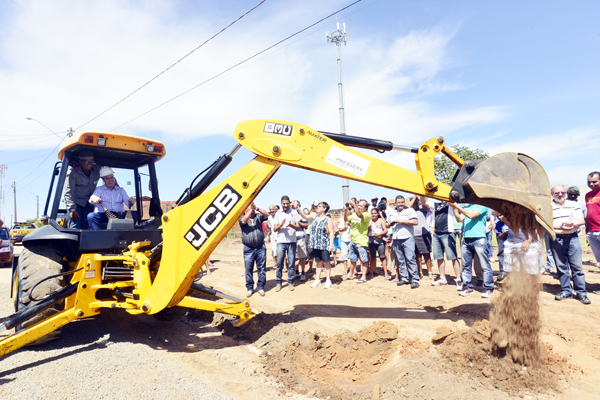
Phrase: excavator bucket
[513,184]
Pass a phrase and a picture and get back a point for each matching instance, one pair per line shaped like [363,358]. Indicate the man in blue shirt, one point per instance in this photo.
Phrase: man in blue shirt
[112,197]
[473,245]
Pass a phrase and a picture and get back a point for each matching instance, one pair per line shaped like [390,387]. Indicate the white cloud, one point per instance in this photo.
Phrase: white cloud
[68,61]
[557,147]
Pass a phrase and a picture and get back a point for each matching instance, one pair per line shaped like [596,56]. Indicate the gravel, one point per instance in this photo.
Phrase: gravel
[112,356]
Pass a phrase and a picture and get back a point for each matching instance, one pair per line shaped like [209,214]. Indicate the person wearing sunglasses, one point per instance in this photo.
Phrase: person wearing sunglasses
[80,184]
[566,249]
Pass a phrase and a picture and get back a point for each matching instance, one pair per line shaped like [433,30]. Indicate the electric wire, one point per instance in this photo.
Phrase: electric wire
[24,188]
[44,160]
[236,65]
[171,66]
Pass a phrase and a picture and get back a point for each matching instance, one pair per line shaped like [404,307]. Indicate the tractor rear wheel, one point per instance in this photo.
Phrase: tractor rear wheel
[36,264]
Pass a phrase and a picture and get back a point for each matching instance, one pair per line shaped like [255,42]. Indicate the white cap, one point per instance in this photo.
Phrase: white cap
[106,171]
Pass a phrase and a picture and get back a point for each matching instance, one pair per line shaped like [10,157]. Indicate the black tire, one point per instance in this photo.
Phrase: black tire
[171,314]
[34,265]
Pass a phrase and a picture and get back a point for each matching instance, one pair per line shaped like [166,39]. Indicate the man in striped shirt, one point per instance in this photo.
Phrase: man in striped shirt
[566,249]
[112,197]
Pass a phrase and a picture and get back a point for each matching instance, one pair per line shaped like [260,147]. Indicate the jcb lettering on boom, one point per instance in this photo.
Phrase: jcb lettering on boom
[212,217]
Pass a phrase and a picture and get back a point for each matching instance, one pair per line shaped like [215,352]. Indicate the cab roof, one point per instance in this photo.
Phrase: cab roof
[114,149]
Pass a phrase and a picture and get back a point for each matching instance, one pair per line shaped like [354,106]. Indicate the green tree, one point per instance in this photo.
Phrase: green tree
[445,169]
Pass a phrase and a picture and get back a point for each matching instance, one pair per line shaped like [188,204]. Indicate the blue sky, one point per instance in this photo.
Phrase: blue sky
[500,76]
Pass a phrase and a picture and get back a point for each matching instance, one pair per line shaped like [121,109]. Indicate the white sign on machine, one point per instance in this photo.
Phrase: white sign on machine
[348,161]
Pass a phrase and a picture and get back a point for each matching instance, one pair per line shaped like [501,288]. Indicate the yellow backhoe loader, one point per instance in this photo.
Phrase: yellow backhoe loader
[148,265]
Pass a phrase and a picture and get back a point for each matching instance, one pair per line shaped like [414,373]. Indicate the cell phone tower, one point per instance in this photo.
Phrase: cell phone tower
[3,168]
[338,37]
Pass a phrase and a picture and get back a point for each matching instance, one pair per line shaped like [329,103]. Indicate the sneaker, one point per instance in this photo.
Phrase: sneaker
[278,287]
[302,277]
[414,285]
[261,292]
[439,282]
[402,282]
[487,294]
[584,299]
[291,287]
[459,285]
[316,283]
[467,292]
[563,295]
[501,276]
[327,284]
[249,293]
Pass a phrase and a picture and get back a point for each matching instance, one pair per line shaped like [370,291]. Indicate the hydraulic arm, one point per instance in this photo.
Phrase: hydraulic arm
[513,184]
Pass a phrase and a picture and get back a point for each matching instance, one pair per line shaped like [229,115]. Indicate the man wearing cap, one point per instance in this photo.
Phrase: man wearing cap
[112,197]
[81,182]
[373,203]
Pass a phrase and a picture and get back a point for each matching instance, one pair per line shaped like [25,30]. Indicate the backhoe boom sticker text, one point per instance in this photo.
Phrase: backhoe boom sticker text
[212,217]
[348,161]
[280,129]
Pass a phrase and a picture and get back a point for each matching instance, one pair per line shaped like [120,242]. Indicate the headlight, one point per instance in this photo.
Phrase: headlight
[5,250]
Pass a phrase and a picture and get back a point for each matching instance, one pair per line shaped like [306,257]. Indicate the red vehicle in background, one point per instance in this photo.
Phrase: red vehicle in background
[6,248]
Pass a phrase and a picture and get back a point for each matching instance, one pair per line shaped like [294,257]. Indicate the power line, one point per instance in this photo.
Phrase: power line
[43,173]
[171,66]
[23,187]
[20,136]
[40,164]
[236,65]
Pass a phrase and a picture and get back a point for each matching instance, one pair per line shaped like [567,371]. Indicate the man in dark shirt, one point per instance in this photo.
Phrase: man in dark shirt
[444,241]
[81,182]
[255,250]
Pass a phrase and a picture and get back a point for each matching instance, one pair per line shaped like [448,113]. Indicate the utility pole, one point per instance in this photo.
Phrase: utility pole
[37,215]
[338,37]
[15,192]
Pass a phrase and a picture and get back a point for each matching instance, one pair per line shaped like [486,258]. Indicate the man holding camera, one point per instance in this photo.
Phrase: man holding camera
[255,251]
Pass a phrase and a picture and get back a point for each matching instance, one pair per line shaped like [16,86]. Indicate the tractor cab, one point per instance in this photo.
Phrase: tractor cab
[133,160]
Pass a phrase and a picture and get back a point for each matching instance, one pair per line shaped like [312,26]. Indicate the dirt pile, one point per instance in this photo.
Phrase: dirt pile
[314,364]
[471,352]
[506,350]
[515,320]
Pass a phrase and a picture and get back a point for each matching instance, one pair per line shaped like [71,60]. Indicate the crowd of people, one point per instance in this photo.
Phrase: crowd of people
[404,235]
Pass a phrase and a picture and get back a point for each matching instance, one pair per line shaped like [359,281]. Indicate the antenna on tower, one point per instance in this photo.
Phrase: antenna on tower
[338,37]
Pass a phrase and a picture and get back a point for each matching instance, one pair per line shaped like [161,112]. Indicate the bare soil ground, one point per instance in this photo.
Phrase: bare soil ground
[372,340]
